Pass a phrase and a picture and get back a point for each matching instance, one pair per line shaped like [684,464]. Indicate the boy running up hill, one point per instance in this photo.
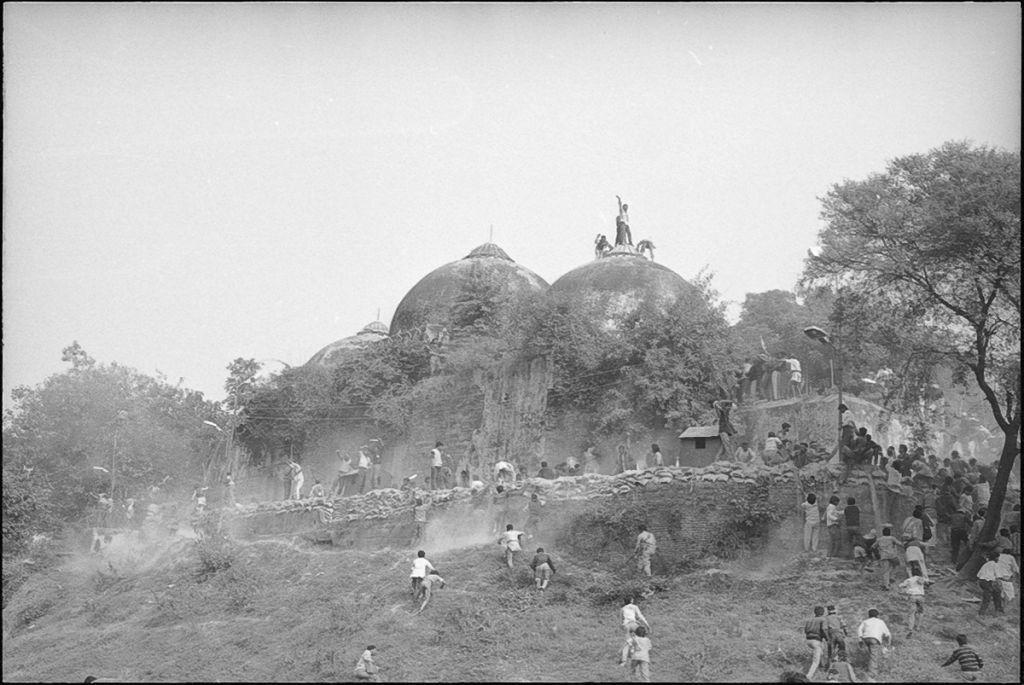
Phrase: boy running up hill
[970,663]
[638,649]
[510,539]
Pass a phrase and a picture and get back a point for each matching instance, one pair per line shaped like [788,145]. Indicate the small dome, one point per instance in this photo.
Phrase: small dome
[614,286]
[337,351]
[430,301]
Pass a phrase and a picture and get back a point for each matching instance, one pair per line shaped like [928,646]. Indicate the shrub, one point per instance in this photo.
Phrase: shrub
[215,554]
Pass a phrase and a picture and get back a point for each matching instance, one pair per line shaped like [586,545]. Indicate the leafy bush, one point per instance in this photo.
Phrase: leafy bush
[215,554]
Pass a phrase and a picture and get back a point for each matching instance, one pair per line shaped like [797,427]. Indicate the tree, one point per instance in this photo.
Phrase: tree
[98,428]
[936,237]
[779,320]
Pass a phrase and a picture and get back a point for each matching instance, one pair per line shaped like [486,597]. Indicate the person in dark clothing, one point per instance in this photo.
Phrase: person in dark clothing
[959,524]
[543,568]
[815,633]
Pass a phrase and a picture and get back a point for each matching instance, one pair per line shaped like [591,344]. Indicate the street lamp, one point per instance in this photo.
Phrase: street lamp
[835,366]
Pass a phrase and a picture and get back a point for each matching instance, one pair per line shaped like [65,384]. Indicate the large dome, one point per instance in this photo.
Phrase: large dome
[615,285]
[338,350]
[430,301]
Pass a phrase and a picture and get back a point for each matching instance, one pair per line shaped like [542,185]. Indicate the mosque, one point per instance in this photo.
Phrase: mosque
[614,284]
[621,278]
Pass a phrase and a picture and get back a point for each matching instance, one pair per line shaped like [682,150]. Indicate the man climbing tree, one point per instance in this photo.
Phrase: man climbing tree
[935,238]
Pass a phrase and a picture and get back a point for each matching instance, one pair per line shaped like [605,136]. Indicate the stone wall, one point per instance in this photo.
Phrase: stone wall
[817,418]
[690,510]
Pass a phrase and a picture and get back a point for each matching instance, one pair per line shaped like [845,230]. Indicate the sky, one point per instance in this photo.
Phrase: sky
[187,184]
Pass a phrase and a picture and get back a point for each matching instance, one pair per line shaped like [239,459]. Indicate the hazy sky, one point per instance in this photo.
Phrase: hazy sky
[186,184]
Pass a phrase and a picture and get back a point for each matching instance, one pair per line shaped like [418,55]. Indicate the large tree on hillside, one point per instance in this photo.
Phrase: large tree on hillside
[937,237]
[99,428]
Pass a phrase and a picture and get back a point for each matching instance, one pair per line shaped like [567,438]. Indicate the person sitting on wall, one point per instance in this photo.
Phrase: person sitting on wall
[545,471]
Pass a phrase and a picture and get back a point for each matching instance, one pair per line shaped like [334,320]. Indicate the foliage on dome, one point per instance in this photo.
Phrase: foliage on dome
[444,297]
[332,354]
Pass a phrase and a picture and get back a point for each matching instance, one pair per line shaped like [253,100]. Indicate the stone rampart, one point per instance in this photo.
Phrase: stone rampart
[690,510]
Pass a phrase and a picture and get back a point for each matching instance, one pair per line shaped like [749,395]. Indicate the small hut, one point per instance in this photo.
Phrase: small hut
[699,445]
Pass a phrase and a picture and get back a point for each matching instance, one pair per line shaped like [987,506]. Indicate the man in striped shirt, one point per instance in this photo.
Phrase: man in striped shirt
[970,662]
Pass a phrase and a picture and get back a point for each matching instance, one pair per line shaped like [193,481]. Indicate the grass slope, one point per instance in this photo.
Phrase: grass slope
[283,612]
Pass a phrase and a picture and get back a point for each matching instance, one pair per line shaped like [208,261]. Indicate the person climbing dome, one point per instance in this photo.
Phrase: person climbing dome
[543,568]
[644,549]
[420,566]
[510,539]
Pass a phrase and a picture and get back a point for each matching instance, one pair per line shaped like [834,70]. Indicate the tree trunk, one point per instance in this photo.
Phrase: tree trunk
[993,514]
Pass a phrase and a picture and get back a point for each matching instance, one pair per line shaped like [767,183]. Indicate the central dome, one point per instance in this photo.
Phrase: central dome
[614,286]
[430,301]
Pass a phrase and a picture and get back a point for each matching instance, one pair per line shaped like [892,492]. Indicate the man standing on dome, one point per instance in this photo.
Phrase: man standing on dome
[622,233]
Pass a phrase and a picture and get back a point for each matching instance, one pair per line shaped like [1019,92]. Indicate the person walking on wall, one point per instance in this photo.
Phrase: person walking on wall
[656,458]
[436,465]
[812,522]
[364,468]
[725,427]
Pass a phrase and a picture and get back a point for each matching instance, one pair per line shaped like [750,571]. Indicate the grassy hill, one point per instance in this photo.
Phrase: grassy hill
[274,610]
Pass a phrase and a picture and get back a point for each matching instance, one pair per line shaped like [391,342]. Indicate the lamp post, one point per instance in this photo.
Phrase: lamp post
[835,367]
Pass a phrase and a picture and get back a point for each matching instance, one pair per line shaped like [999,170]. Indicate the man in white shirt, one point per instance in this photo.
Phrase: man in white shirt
[510,539]
[874,635]
[631,619]
[436,464]
[795,377]
[913,588]
[915,555]
[746,454]
[420,566]
[990,577]
[504,472]
[645,548]
[364,468]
